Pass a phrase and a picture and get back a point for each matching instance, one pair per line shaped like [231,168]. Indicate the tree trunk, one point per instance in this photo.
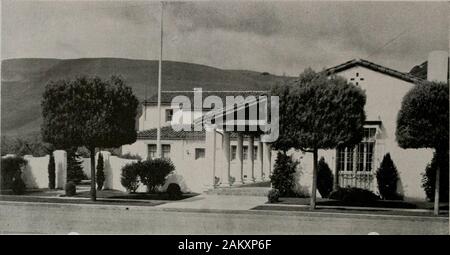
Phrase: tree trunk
[436,190]
[93,190]
[314,184]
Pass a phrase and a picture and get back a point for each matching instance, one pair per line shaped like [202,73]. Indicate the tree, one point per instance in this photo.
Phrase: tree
[153,172]
[324,178]
[319,112]
[429,179]
[100,172]
[387,178]
[51,172]
[89,112]
[283,178]
[74,166]
[422,122]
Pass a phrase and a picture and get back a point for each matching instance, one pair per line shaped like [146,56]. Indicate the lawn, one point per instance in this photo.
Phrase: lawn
[116,194]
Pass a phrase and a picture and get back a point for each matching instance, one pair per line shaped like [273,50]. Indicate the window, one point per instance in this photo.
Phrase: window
[166,151]
[169,115]
[345,157]
[199,153]
[349,159]
[244,152]
[255,152]
[233,152]
[151,151]
[341,158]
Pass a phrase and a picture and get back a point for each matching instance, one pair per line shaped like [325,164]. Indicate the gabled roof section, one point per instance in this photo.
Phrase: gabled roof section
[374,67]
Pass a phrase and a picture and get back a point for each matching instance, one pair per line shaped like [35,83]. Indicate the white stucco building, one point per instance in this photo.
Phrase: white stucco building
[199,165]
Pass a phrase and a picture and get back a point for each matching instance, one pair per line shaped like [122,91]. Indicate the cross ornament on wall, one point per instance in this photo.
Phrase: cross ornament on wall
[357,79]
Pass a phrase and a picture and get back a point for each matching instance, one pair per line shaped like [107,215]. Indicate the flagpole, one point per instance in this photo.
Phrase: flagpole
[158,130]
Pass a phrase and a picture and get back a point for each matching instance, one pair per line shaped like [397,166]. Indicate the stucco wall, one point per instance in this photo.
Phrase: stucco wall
[35,173]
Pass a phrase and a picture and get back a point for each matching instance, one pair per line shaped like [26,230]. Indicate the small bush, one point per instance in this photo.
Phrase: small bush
[153,172]
[429,179]
[71,189]
[74,166]
[174,191]
[387,178]
[130,177]
[354,195]
[100,173]
[273,196]
[324,178]
[283,176]
[18,186]
[11,170]
[51,172]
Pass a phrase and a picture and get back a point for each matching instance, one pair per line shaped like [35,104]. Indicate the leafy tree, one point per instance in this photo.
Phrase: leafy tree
[89,112]
[100,172]
[153,172]
[319,112]
[51,172]
[387,178]
[429,179]
[324,178]
[283,176]
[423,123]
[74,166]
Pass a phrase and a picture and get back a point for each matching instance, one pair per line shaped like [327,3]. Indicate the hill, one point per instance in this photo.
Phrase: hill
[23,82]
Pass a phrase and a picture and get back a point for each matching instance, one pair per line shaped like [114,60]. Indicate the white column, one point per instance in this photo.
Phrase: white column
[226,158]
[267,158]
[261,160]
[210,152]
[240,154]
[60,168]
[251,148]
[108,184]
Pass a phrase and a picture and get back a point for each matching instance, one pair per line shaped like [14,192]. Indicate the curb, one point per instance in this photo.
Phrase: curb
[241,212]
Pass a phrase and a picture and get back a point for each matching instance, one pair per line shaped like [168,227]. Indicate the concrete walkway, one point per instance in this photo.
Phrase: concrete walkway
[217,202]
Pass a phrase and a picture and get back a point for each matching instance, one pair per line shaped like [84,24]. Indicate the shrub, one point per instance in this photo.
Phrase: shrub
[74,166]
[354,195]
[71,189]
[387,178]
[273,195]
[324,178]
[429,179]
[283,178]
[174,191]
[100,173]
[153,172]
[11,170]
[130,177]
[51,172]
[18,186]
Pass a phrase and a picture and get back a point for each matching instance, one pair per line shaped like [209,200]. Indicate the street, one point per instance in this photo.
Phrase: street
[41,218]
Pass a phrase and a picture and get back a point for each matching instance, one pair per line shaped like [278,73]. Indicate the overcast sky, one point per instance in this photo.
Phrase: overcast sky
[277,37]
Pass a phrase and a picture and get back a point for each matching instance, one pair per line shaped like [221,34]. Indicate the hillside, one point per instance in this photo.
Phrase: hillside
[24,80]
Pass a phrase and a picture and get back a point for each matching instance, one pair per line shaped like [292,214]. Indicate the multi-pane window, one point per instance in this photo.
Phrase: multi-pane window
[151,151]
[255,152]
[361,155]
[169,115]
[165,151]
[244,152]
[199,153]
[233,152]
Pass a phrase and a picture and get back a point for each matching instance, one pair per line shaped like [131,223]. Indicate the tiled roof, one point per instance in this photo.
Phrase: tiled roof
[167,133]
[375,67]
[166,96]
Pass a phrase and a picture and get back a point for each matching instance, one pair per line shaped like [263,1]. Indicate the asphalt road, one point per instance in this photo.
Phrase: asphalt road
[16,218]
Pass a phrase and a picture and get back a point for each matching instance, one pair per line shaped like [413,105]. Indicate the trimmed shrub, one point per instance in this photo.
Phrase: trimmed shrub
[273,195]
[11,170]
[74,167]
[100,173]
[18,186]
[51,172]
[71,189]
[130,176]
[324,178]
[283,176]
[429,179]
[387,179]
[153,172]
[354,195]
[174,191]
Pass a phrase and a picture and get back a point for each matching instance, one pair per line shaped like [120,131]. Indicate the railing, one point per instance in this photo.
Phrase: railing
[359,179]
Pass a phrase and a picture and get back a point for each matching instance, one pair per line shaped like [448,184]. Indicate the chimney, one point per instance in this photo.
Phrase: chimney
[437,69]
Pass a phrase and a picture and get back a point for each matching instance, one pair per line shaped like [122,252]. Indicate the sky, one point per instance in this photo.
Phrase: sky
[275,37]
